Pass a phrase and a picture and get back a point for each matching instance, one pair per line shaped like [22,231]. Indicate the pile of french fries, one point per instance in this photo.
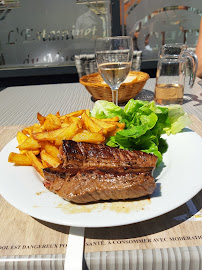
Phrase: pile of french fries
[39,144]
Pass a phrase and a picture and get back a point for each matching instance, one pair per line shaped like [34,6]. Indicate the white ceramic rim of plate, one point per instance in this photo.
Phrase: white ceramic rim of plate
[182,162]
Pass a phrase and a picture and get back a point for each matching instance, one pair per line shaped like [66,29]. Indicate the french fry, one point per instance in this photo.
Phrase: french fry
[48,135]
[113,132]
[68,133]
[29,144]
[39,144]
[73,119]
[113,119]
[88,112]
[35,130]
[90,137]
[21,137]
[36,152]
[46,165]
[90,124]
[27,131]
[120,125]
[105,125]
[58,114]
[32,129]
[77,120]
[51,149]
[50,160]
[76,114]
[36,163]
[52,122]
[64,124]
[41,118]
[66,120]
[19,159]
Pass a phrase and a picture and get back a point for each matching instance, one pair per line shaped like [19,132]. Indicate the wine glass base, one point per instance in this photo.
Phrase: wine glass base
[93,99]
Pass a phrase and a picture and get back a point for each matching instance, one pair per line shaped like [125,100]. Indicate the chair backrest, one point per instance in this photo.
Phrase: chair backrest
[137,61]
[85,63]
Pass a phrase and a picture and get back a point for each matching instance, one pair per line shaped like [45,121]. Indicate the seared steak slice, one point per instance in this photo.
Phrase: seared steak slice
[94,172]
[88,155]
[91,185]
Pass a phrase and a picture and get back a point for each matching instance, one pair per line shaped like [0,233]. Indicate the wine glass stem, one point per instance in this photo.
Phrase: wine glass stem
[115,96]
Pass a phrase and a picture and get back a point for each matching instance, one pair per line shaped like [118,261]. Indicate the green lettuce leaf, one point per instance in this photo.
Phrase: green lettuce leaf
[133,105]
[106,109]
[177,120]
[145,124]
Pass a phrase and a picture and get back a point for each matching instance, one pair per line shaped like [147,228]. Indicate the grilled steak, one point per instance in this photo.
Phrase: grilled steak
[84,186]
[88,155]
[92,172]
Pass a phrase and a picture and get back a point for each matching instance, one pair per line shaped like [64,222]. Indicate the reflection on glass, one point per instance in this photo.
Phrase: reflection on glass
[54,36]
[154,23]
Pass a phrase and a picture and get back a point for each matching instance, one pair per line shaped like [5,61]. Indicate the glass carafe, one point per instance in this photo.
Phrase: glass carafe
[171,73]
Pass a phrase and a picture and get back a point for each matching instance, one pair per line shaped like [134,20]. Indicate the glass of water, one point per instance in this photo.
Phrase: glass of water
[114,58]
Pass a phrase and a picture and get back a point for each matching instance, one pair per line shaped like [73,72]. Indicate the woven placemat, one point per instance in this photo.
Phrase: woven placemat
[21,234]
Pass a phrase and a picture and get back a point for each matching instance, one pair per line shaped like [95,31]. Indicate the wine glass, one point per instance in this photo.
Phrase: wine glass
[114,58]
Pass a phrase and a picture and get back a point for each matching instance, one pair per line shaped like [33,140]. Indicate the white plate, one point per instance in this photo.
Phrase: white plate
[178,180]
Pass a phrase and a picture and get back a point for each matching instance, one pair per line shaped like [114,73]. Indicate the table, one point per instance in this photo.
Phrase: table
[19,105]
[172,241]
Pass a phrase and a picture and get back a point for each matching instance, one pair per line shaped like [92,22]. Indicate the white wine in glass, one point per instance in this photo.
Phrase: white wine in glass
[114,58]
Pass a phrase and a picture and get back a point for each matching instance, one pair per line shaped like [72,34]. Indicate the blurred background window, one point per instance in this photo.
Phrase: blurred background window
[42,37]
[157,22]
